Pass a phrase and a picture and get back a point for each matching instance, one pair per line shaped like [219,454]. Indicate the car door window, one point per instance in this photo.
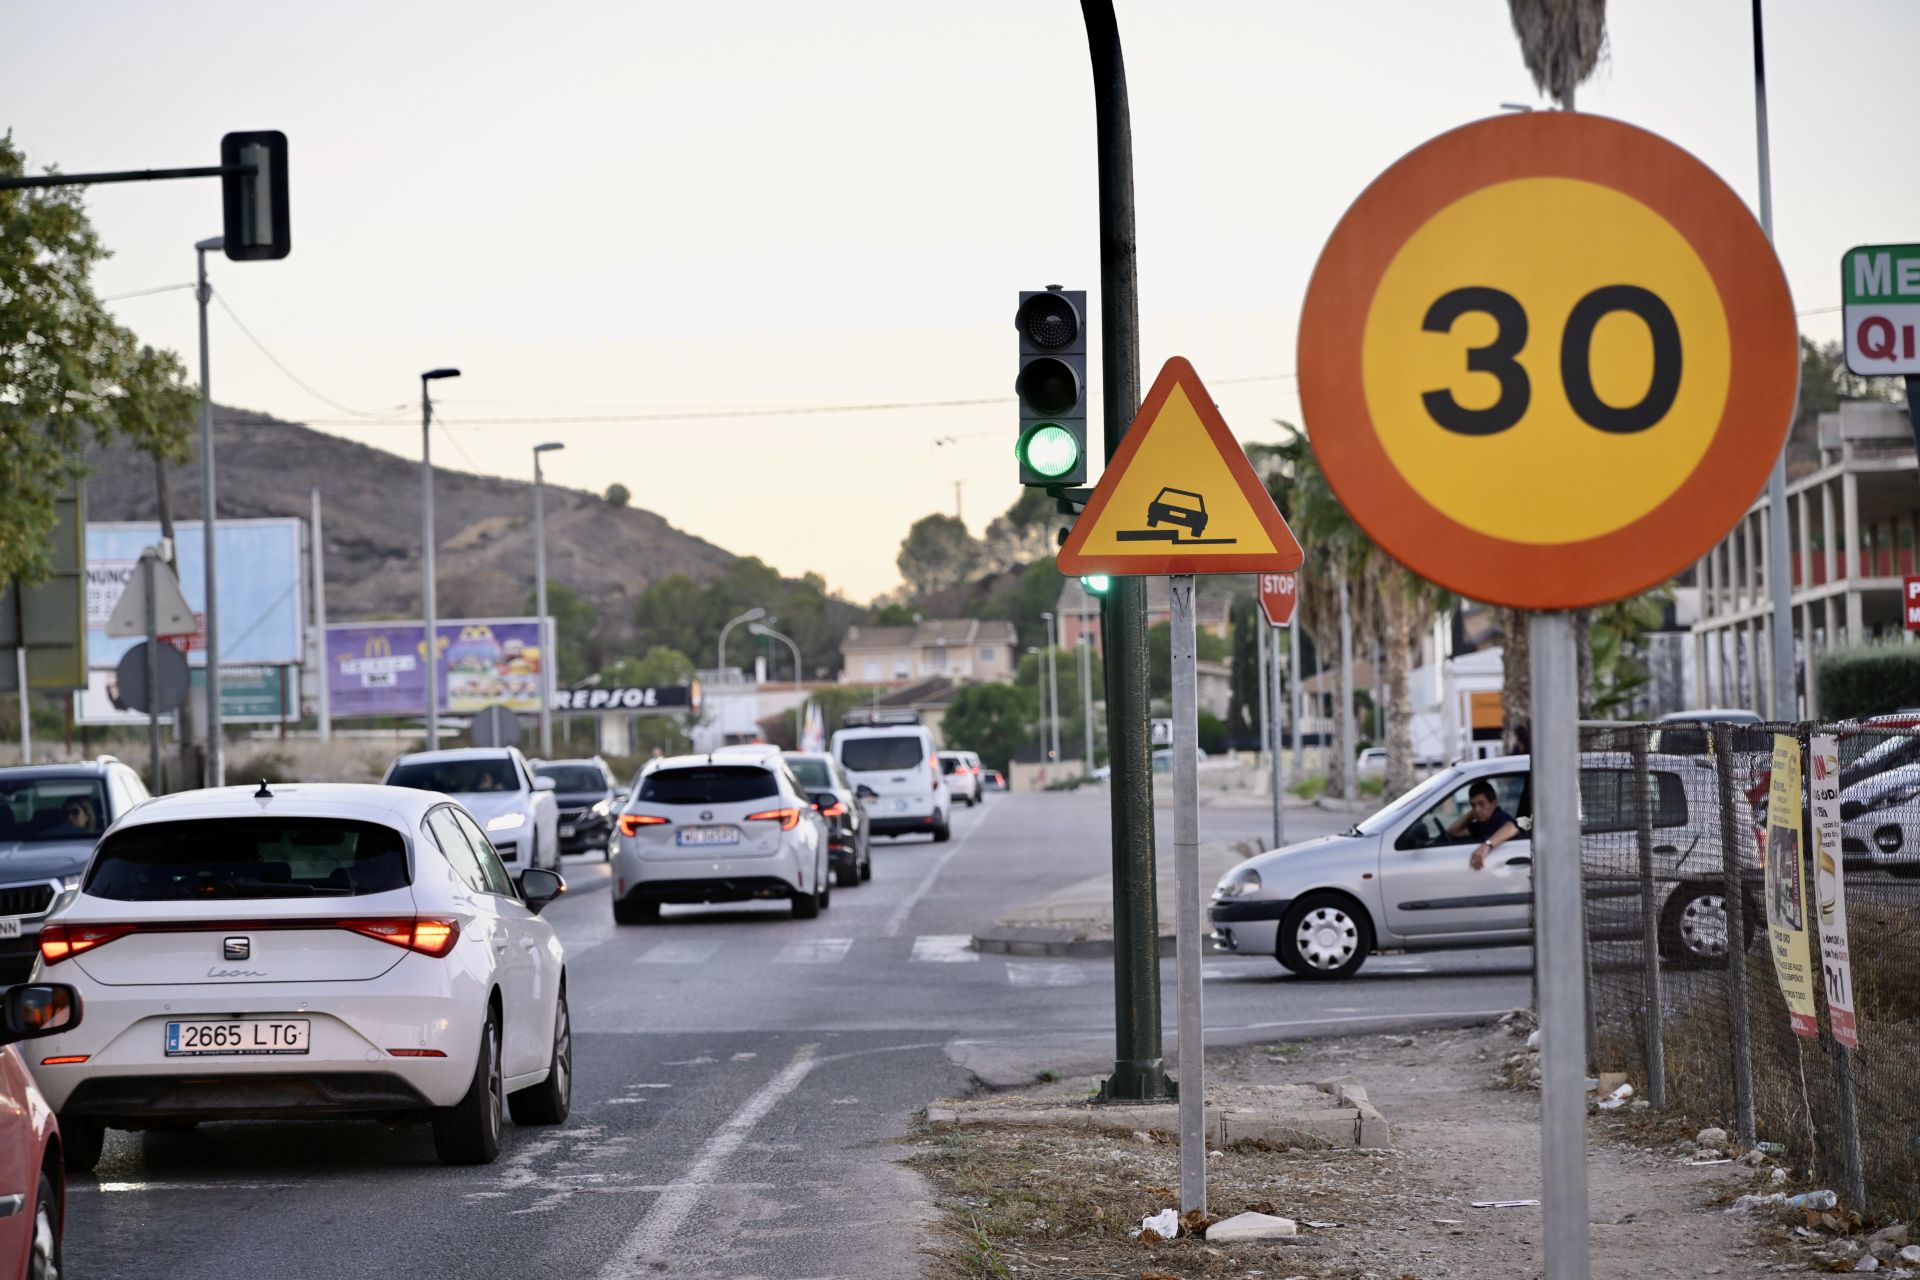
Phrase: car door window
[1433,827]
[453,842]
[494,871]
[1607,800]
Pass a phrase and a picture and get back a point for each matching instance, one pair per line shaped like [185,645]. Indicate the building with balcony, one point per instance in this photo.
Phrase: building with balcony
[956,648]
[1852,526]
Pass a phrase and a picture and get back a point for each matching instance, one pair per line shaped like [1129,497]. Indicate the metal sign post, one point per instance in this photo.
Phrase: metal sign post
[1278,596]
[1277,745]
[1186,873]
[148,565]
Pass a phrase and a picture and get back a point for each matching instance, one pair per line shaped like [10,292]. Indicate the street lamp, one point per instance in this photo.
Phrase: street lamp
[1053,687]
[432,649]
[210,644]
[761,629]
[754,614]
[548,656]
[1040,703]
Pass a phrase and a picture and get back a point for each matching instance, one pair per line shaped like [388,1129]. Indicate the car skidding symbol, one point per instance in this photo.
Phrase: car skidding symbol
[1181,509]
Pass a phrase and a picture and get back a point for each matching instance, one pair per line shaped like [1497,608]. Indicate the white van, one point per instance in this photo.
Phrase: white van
[896,769]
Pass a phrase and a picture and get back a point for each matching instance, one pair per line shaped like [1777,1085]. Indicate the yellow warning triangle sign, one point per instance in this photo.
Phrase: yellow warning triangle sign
[1179,496]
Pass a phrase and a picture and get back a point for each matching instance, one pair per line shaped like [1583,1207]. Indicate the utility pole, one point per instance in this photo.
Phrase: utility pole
[1053,689]
[547,655]
[1348,789]
[1086,690]
[1139,1069]
[209,512]
[323,705]
[431,649]
[1785,706]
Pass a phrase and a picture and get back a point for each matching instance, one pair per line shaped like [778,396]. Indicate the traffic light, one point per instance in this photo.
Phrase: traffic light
[1052,387]
[1095,584]
[254,205]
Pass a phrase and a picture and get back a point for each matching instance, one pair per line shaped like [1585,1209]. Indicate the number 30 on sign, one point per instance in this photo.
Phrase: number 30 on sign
[1547,360]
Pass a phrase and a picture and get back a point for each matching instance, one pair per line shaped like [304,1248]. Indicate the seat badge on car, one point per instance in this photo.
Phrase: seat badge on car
[706,815]
[237,949]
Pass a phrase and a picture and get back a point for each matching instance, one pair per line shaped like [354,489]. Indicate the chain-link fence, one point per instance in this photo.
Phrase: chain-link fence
[1683,993]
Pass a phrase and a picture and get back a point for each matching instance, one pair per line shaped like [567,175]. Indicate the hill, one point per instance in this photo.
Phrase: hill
[371,514]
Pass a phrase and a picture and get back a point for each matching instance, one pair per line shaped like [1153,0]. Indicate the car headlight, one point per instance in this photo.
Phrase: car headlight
[1243,883]
[507,822]
[604,808]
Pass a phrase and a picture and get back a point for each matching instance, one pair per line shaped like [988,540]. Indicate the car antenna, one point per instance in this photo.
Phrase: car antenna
[263,793]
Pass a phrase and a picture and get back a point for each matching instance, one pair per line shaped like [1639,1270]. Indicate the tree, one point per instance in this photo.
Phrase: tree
[937,553]
[659,666]
[1029,677]
[993,720]
[895,615]
[1024,534]
[67,371]
[836,700]
[1561,41]
[618,495]
[576,628]
[1824,382]
[1243,708]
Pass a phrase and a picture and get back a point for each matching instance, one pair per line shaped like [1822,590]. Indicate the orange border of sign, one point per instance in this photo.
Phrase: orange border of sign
[1761,329]
[1178,372]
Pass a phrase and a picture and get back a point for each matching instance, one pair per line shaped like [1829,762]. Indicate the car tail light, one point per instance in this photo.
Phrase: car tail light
[630,823]
[429,935]
[933,762]
[64,1060]
[64,941]
[415,1053]
[837,809]
[787,818]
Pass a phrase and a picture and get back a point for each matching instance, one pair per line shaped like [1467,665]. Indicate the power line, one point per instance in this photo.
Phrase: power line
[291,375]
[142,293]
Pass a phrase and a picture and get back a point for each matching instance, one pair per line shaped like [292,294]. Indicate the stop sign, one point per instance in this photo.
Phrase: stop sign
[1277,597]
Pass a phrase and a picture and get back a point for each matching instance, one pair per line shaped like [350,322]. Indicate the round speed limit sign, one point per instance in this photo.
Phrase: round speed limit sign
[1547,360]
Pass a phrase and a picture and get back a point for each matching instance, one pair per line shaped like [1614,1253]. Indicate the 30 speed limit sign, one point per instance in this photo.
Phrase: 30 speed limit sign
[1547,360]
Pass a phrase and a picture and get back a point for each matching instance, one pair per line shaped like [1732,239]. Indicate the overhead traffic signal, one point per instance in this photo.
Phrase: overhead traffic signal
[1052,387]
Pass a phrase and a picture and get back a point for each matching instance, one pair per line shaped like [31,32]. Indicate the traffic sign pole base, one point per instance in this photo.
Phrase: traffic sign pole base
[1137,1081]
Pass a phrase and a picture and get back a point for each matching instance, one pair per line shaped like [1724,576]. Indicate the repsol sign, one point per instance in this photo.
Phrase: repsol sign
[625,698]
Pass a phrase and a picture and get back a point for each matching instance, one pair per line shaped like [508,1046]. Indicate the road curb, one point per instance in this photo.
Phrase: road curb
[1056,942]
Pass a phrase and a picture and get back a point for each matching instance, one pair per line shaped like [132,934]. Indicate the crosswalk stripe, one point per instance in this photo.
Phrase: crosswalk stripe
[1041,973]
[944,948]
[814,951]
[683,951]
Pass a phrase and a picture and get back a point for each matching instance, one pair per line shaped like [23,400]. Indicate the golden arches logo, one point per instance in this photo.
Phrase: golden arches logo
[377,646]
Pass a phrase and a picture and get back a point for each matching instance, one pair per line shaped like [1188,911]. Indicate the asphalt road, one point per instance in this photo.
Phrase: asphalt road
[740,1078]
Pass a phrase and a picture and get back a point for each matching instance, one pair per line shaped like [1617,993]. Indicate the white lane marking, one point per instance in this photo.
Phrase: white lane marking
[1042,973]
[685,951]
[814,951]
[898,920]
[702,1061]
[743,1057]
[184,1186]
[944,948]
[649,1242]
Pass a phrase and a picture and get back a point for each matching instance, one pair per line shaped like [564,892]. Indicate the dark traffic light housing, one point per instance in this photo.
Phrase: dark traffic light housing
[1052,387]
[254,205]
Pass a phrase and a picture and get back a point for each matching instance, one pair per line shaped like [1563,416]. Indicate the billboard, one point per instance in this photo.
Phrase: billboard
[380,668]
[248,695]
[56,648]
[263,587]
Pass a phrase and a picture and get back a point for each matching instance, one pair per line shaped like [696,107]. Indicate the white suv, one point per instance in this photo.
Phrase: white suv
[719,828]
[497,786]
[900,767]
[304,951]
[962,770]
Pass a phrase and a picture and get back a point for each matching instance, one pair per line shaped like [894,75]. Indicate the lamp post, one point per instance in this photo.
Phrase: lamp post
[1040,703]
[547,654]
[1053,691]
[754,614]
[432,646]
[210,647]
[762,629]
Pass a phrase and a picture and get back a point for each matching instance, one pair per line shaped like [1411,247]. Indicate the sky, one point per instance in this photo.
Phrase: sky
[653,216]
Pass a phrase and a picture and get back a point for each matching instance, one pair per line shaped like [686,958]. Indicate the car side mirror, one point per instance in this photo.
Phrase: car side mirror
[43,1009]
[825,800]
[543,784]
[866,792]
[538,887]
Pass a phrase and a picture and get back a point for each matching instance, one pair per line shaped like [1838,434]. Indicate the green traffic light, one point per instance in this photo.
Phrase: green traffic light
[1051,450]
[1096,583]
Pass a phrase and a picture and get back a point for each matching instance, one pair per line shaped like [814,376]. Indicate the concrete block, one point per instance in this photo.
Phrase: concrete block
[1251,1226]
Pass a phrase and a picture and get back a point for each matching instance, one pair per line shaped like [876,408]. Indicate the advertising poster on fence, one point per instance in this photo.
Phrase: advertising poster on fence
[380,669]
[1830,885]
[1787,890]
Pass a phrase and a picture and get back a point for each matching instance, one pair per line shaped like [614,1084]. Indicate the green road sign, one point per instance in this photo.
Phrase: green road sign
[1880,294]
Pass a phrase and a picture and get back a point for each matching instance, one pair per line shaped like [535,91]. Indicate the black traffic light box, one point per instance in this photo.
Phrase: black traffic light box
[1052,387]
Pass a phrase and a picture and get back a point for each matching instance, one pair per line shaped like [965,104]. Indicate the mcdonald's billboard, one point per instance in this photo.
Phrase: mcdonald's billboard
[381,668]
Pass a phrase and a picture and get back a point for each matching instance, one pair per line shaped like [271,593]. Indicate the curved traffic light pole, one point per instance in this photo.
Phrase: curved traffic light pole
[1139,1069]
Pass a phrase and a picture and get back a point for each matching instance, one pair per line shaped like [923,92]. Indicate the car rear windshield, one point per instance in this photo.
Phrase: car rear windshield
[52,808]
[457,777]
[708,784]
[574,777]
[811,773]
[950,763]
[221,859]
[866,755]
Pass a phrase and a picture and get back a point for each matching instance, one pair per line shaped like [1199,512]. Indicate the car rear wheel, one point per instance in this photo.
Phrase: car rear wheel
[1325,935]
[81,1138]
[468,1132]
[1693,927]
[866,864]
[942,832]
[805,905]
[43,1258]
[549,1101]
[631,911]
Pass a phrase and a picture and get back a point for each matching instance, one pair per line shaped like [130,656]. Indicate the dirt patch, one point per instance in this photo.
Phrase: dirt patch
[1047,1203]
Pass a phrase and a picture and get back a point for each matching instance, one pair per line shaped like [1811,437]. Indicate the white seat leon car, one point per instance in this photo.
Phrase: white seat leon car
[304,951]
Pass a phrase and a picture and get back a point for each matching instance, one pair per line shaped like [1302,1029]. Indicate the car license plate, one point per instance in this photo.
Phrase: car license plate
[709,835]
[566,832]
[901,806]
[9,926]
[236,1036]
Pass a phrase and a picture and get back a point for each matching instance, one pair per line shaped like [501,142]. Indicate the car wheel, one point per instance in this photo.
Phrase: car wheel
[1693,927]
[468,1132]
[635,911]
[846,877]
[549,1101]
[43,1258]
[866,865]
[805,905]
[81,1138]
[1325,935]
[942,832]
